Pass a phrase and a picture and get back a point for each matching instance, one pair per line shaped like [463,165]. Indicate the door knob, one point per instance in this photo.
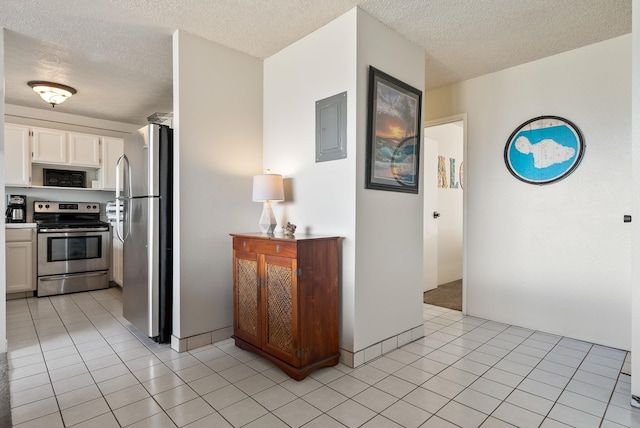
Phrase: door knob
[436,214]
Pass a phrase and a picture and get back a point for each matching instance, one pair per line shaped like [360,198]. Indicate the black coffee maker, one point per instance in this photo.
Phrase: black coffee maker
[16,209]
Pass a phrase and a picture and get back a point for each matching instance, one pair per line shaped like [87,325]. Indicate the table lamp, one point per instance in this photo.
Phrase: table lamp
[267,188]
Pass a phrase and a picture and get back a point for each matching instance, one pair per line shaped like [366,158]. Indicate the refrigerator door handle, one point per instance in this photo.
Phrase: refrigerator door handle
[122,199]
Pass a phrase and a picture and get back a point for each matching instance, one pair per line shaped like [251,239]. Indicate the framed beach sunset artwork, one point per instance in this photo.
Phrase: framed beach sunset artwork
[393,134]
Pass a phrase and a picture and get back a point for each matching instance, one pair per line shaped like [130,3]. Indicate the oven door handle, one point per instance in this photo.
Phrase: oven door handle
[59,277]
[122,199]
[73,230]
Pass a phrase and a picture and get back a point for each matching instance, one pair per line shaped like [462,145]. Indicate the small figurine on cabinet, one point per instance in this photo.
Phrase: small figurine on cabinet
[289,229]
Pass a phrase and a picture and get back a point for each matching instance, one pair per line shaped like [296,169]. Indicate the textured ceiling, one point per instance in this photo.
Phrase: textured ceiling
[117,53]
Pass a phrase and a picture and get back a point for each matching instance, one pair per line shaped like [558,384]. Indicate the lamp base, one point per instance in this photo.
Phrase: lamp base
[267,219]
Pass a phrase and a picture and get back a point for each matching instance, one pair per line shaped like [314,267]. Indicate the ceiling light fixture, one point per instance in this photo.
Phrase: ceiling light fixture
[52,93]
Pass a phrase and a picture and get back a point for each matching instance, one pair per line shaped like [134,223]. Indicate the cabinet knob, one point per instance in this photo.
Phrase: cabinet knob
[278,248]
[244,244]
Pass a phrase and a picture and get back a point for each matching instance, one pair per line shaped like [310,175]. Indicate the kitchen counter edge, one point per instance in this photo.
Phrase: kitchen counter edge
[20,225]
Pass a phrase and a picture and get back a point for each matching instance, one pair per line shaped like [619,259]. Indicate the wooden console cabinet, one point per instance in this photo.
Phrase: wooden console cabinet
[285,299]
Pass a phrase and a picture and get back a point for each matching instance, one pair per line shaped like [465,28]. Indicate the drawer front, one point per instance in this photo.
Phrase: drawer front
[265,246]
[14,235]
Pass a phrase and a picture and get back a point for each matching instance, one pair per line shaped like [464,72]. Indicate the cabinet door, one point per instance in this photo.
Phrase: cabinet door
[84,149]
[19,266]
[49,146]
[246,297]
[280,309]
[17,156]
[112,149]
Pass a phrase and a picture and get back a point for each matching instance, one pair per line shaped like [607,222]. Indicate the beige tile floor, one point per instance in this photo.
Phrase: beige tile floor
[75,362]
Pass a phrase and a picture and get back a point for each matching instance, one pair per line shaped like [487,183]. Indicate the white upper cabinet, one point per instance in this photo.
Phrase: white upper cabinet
[112,149]
[29,150]
[17,155]
[69,148]
[49,146]
[84,149]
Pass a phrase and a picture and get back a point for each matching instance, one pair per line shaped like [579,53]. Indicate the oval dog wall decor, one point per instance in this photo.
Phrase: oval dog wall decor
[544,150]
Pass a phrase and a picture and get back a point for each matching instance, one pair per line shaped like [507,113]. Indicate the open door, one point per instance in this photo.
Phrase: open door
[430,207]
[444,203]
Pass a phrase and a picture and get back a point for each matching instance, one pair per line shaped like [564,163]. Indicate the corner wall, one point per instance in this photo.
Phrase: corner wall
[381,300]
[555,258]
[389,225]
[320,197]
[218,148]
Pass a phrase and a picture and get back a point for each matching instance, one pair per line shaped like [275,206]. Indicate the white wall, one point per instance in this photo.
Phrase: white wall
[635,184]
[382,246]
[389,225]
[321,199]
[3,284]
[554,258]
[218,148]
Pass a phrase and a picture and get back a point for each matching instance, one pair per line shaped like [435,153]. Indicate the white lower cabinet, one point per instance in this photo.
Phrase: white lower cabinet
[20,260]
[117,258]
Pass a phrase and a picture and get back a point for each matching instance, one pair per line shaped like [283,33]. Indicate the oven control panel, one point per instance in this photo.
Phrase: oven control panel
[66,207]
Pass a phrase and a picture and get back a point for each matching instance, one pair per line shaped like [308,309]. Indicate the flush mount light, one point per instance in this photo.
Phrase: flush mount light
[52,93]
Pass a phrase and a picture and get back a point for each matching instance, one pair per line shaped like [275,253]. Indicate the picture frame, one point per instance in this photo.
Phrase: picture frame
[393,134]
[544,150]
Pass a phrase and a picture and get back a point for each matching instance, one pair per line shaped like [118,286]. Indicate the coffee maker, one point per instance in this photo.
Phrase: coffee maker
[16,209]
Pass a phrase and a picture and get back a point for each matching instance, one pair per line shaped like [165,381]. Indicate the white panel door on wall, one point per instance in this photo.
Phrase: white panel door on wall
[443,221]
[430,206]
[450,204]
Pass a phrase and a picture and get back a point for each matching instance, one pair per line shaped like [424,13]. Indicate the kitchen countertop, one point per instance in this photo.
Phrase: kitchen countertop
[20,225]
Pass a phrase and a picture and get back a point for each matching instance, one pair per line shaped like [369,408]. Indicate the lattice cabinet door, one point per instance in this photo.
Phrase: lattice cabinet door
[280,306]
[246,297]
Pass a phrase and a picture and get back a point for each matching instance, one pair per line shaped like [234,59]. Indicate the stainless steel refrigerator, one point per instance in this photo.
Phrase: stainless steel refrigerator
[145,196]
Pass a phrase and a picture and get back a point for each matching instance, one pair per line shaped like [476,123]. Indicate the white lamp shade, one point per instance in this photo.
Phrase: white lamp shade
[268,187]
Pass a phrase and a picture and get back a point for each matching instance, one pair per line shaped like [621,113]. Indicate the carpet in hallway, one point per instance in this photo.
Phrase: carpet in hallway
[447,295]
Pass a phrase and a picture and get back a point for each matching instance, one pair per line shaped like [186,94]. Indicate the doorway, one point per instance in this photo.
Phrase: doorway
[444,142]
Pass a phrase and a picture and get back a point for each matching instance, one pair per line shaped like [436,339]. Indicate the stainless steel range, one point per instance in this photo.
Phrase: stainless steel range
[73,247]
